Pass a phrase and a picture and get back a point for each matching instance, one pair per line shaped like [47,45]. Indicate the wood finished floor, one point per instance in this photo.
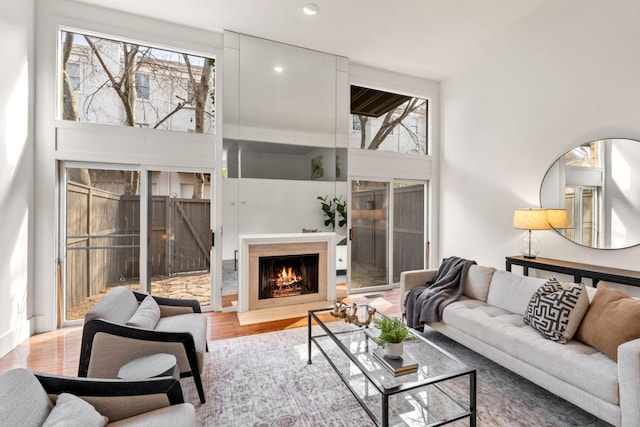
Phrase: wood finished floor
[58,352]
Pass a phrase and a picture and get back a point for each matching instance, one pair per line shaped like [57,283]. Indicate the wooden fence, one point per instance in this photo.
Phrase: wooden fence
[103,238]
[369,222]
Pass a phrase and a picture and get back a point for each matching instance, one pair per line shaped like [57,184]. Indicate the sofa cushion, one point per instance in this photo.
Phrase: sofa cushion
[146,315]
[555,310]
[575,363]
[512,292]
[118,306]
[477,283]
[71,411]
[613,318]
[24,401]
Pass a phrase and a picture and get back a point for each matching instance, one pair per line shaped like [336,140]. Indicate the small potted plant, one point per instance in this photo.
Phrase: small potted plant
[393,333]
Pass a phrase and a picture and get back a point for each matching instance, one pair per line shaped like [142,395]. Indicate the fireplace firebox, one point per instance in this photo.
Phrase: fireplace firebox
[288,275]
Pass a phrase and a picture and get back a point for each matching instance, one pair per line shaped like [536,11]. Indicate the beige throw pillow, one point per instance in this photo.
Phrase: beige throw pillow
[71,411]
[613,318]
[477,282]
[147,315]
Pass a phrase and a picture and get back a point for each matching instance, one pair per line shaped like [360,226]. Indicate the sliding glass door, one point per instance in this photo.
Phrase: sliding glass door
[388,232]
[369,235]
[409,225]
[108,212]
[102,235]
[179,260]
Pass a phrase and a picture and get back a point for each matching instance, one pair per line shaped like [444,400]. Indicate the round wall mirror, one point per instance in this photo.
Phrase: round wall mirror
[598,183]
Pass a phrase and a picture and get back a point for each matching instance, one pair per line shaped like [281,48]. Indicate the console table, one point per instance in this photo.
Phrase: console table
[577,270]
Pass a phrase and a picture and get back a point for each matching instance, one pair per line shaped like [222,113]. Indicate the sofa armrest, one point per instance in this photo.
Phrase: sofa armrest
[412,279]
[161,338]
[116,399]
[173,306]
[629,380]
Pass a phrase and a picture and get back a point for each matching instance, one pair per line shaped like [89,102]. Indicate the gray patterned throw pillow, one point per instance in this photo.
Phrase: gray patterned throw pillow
[556,310]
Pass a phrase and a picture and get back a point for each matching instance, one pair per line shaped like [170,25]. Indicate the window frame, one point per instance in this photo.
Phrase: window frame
[206,51]
[143,95]
[78,66]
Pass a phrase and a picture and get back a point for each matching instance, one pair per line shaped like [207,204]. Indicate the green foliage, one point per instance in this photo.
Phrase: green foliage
[330,207]
[341,208]
[392,330]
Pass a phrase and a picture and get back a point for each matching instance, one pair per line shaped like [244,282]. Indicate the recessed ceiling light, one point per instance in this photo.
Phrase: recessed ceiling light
[278,69]
[310,9]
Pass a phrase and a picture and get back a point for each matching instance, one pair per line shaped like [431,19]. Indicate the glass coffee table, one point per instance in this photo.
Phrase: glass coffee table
[443,390]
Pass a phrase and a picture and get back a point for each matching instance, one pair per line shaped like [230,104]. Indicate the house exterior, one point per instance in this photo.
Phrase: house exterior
[565,75]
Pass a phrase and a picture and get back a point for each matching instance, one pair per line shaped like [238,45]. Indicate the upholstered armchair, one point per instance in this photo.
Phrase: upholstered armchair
[126,325]
[31,399]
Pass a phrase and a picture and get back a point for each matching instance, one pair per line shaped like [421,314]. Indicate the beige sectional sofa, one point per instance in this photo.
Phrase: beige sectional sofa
[489,319]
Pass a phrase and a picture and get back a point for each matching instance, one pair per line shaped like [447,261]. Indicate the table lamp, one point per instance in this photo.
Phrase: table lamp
[531,219]
[557,218]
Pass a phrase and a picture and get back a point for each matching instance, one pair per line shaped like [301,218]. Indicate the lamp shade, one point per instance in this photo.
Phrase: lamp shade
[557,218]
[531,219]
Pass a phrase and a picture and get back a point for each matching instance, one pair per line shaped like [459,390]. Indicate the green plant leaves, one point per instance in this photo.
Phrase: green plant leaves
[330,207]
[392,330]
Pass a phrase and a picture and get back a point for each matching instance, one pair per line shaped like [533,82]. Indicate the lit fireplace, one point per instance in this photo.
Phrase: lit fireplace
[288,275]
[263,257]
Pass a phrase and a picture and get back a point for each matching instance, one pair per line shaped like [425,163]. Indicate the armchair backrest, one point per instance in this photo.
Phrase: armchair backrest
[118,306]
[24,401]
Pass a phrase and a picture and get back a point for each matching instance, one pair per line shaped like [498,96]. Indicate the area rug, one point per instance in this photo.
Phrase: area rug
[264,381]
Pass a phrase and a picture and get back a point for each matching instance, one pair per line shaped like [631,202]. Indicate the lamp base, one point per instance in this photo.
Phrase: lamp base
[530,246]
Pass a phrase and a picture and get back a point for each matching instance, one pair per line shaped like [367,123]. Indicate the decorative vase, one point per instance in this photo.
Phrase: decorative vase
[394,350]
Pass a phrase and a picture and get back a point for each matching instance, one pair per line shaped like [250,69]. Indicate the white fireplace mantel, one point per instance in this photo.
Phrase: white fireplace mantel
[247,240]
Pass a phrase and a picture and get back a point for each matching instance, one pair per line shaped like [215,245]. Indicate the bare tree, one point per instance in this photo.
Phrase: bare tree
[69,105]
[201,92]
[124,84]
[390,121]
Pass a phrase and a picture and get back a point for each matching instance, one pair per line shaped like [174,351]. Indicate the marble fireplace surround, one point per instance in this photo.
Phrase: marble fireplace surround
[252,246]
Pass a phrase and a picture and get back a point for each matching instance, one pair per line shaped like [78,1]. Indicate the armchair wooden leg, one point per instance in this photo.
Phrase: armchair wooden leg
[198,382]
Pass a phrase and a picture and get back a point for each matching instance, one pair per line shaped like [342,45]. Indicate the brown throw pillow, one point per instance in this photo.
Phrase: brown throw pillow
[613,318]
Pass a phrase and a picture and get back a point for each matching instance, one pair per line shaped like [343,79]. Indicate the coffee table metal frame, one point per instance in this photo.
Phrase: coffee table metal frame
[408,385]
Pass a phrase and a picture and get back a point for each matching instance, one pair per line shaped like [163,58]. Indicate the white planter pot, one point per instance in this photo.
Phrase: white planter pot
[394,350]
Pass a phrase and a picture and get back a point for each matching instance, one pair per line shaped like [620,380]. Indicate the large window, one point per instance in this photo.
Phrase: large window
[177,89]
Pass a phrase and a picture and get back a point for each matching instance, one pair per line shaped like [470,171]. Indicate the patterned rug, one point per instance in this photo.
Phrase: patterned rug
[264,381]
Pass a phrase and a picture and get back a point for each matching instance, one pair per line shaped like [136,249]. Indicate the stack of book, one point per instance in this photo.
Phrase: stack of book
[401,366]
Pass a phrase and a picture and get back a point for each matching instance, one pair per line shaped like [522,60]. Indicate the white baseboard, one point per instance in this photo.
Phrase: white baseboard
[15,337]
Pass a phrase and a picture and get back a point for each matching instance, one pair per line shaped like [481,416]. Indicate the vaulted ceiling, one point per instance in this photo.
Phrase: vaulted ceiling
[424,38]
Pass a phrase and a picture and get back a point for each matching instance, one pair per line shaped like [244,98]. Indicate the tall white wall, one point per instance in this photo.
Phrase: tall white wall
[566,75]
[16,172]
